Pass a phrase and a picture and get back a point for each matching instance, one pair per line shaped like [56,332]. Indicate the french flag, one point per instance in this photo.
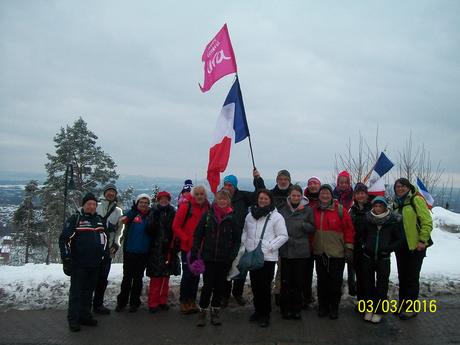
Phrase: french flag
[424,191]
[231,125]
[376,182]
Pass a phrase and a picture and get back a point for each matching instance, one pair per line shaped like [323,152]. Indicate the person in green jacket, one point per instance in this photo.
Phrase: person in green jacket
[417,226]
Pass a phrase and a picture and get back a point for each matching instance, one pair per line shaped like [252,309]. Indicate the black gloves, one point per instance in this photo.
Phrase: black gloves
[67,266]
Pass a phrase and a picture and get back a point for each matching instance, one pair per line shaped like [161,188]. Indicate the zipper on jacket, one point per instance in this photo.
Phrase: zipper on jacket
[377,243]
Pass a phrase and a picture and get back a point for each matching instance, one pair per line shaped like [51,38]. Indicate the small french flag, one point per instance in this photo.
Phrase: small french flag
[424,191]
[231,125]
[376,181]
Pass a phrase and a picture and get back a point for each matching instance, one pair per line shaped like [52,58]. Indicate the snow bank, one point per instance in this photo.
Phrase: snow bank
[41,286]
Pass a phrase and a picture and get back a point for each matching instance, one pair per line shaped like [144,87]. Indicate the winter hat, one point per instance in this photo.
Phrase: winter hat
[188,185]
[326,186]
[380,200]
[313,178]
[163,194]
[360,187]
[88,197]
[344,173]
[109,186]
[142,196]
[232,180]
[284,172]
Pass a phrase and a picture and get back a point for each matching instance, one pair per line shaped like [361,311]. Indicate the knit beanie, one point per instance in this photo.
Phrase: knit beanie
[88,197]
[232,180]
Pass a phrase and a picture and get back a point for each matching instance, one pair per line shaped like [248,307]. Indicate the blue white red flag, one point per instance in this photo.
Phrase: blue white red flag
[231,126]
[376,182]
[424,191]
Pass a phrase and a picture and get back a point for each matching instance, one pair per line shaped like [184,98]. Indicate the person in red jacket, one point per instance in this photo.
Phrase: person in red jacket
[332,245]
[343,192]
[185,222]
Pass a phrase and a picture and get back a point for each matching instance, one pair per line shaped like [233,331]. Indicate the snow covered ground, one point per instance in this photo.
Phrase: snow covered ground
[41,286]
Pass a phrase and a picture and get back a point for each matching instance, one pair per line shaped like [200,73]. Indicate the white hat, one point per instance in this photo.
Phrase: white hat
[142,196]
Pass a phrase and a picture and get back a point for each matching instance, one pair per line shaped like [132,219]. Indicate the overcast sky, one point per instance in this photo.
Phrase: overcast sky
[313,74]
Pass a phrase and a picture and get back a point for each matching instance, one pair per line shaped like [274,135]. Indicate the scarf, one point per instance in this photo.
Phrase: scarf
[378,219]
[220,212]
[345,197]
[259,212]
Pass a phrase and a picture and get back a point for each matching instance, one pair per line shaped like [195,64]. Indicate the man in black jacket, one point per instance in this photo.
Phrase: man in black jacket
[241,201]
[82,244]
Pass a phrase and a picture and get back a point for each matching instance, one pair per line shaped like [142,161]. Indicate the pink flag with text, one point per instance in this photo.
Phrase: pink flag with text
[219,59]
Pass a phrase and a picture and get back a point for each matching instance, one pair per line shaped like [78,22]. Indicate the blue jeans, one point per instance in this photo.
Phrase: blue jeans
[189,282]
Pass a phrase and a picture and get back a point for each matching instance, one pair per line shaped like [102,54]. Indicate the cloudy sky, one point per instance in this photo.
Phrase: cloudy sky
[314,74]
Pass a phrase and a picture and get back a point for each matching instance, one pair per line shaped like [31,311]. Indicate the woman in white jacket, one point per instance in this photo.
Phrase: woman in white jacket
[274,237]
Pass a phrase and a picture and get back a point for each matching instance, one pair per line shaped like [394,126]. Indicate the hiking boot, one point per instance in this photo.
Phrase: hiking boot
[164,306]
[368,316]
[101,310]
[376,318]
[119,308]
[133,308]
[185,308]
[264,321]
[193,308]
[407,315]
[74,326]
[334,314]
[224,303]
[254,317]
[88,322]
[240,300]
[202,318]
[215,317]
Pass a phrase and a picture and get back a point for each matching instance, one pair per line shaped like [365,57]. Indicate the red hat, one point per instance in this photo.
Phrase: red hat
[163,194]
[344,174]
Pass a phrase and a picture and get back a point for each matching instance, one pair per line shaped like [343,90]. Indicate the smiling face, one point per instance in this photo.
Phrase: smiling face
[283,182]
[263,200]
[200,195]
[229,187]
[378,208]
[296,196]
[143,205]
[110,195]
[343,183]
[90,207]
[401,190]
[361,197]
[163,201]
[222,201]
[325,196]
[313,186]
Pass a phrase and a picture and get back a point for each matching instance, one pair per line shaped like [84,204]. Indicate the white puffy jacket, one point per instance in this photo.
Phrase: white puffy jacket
[275,234]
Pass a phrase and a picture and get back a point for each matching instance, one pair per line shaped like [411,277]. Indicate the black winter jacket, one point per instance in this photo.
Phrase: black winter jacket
[379,241]
[242,200]
[358,216]
[83,240]
[216,242]
[163,255]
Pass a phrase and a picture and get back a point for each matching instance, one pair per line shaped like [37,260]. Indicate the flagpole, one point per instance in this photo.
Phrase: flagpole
[249,135]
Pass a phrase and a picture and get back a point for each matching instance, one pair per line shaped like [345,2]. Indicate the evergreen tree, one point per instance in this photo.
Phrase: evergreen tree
[88,166]
[27,221]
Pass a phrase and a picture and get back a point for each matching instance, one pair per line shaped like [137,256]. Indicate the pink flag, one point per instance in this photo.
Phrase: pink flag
[219,59]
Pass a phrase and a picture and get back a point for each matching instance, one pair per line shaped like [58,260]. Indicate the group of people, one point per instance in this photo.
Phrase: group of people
[295,229]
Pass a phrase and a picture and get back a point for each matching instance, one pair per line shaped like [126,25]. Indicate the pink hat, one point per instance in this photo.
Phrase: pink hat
[314,178]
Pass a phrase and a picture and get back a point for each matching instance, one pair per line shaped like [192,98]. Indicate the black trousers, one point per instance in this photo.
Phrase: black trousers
[358,270]
[214,282]
[261,284]
[102,281]
[188,283]
[376,276]
[131,286]
[329,272]
[409,266]
[307,296]
[234,287]
[293,276]
[82,284]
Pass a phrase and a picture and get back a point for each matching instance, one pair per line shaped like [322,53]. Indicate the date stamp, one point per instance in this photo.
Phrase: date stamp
[393,306]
